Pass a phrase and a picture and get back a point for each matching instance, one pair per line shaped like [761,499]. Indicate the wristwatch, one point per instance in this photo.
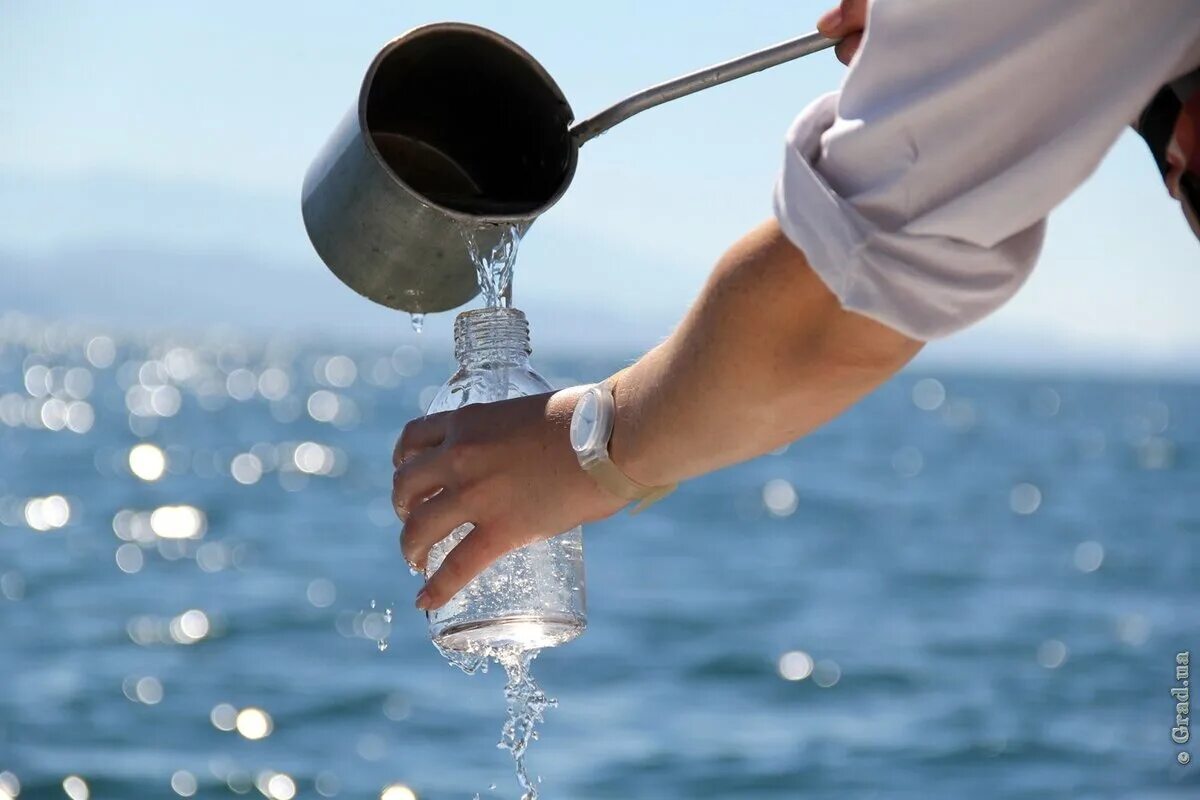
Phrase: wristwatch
[591,430]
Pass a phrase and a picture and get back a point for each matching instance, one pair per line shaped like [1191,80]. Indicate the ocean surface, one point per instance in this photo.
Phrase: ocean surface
[968,587]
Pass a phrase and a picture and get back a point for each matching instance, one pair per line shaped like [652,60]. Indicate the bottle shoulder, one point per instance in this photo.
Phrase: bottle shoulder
[487,384]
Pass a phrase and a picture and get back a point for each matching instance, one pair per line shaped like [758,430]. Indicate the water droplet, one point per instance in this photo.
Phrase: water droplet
[418,322]
[383,645]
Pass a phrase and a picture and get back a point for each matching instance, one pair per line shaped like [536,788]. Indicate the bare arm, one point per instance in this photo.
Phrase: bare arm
[764,356]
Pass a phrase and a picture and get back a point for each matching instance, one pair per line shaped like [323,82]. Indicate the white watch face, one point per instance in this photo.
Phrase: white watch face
[585,421]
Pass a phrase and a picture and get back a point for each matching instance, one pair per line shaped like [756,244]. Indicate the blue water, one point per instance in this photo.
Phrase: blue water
[993,591]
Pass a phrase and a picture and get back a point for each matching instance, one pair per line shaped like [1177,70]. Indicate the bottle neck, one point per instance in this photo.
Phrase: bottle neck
[491,336]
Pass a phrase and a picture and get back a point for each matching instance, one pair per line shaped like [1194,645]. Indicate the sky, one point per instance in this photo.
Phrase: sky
[141,136]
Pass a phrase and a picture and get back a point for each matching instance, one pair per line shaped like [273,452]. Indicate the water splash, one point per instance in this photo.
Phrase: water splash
[378,626]
[525,702]
[418,321]
[494,264]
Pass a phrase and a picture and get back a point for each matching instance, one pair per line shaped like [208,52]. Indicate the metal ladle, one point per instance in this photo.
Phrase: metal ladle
[457,128]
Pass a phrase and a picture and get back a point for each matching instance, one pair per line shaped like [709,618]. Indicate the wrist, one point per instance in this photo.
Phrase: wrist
[627,447]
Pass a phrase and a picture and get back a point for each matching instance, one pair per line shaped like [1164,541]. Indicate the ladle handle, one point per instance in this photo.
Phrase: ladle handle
[701,79]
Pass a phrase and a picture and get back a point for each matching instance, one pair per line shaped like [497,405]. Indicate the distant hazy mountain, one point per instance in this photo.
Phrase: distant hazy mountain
[40,212]
[136,253]
[169,253]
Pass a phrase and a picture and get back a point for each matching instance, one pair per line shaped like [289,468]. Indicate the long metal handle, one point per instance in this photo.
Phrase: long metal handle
[702,79]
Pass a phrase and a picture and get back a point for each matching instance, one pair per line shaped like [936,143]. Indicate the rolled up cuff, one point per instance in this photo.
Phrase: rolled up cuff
[923,286]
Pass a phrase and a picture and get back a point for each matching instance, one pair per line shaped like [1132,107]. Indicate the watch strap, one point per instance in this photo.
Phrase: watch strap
[611,478]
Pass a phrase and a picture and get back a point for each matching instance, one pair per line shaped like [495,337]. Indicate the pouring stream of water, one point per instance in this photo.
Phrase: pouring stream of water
[525,701]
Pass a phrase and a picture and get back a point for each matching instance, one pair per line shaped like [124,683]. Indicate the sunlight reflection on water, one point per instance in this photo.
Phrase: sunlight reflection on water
[202,520]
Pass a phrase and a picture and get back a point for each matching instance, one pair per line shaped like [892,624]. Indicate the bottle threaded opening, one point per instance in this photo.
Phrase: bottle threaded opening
[491,333]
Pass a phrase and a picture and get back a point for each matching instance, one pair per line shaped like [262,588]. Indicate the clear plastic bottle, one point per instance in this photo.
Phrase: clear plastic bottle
[533,597]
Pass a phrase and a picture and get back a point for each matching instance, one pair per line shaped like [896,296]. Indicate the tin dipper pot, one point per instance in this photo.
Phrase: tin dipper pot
[456,127]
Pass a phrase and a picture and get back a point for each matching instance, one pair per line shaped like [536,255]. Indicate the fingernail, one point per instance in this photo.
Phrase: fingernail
[830,22]
[423,599]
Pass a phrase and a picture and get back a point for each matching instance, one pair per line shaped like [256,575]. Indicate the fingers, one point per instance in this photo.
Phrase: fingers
[849,17]
[415,480]
[428,524]
[470,557]
[829,23]
[845,22]
[419,434]
[847,47]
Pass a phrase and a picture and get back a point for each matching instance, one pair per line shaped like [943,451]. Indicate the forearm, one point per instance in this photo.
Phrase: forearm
[764,356]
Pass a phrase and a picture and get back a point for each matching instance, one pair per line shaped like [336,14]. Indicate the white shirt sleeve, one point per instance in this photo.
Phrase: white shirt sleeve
[919,192]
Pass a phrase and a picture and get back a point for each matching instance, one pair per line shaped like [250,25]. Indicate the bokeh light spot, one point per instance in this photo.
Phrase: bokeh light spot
[340,371]
[149,690]
[147,462]
[47,513]
[397,791]
[1089,556]
[190,627]
[76,788]
[1052,654]
[12,586]
[177,522]
[223,717]
[795,665]
[241,384]
[321,592]
[928,394]
[254,723]
[780,498]
[129,558]
[274,383]
[327,784]
[183,783]
[80,417]
[323,405]
[280,787]
[1025,499]
[246,468]
[1133,629]
[908,462]
[826,673]
[101,351]
[407,360]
